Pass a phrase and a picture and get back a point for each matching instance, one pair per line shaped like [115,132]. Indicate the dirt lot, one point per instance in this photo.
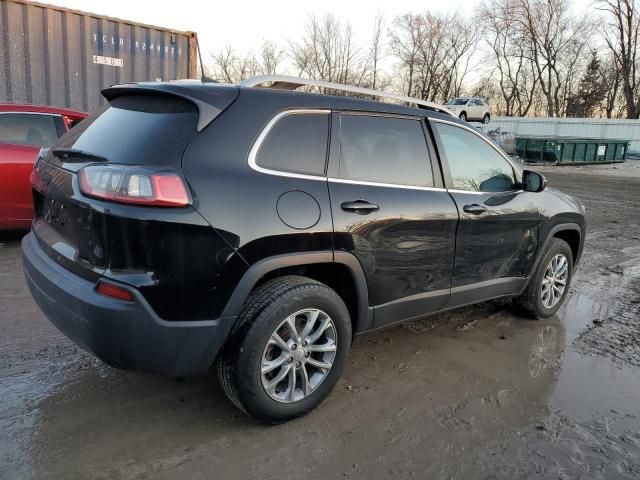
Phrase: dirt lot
[478,393]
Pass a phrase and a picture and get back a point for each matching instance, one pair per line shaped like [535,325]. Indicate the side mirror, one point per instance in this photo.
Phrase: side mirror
[533,181]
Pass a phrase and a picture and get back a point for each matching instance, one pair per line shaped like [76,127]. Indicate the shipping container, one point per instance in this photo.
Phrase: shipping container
[56,56]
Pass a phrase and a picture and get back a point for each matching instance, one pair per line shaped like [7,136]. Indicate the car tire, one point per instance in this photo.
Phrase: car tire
[486,119]
[251,349]
[463,116]
[535,301]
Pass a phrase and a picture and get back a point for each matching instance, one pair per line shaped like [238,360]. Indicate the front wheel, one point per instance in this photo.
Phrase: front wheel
[289,350]
[549,283]
[463,116]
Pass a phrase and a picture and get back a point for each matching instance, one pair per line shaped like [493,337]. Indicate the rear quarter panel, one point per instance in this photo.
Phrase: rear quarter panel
[239,202]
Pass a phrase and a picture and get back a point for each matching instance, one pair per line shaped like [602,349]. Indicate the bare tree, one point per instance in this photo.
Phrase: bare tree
[623,43]
[406,36]
[232,67]
[610,72]
[433,52]
[327,51]
[537,56]
[556,41]
[513,67]
[224,61]
[375,52]
[271,57]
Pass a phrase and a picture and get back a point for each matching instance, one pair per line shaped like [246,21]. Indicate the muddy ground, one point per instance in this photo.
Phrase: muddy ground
[479,393]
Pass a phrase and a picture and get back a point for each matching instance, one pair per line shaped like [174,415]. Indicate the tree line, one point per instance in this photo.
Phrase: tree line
[526,57]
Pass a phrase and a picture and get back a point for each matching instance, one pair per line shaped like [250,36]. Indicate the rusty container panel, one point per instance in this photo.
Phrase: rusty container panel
[55,56]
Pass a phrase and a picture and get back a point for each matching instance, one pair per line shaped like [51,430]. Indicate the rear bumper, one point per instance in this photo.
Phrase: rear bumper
[127,335]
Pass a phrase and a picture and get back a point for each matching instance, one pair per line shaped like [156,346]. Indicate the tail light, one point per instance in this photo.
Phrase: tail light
[136,185]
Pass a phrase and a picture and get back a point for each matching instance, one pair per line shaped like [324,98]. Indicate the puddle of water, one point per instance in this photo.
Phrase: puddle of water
[25,381]
[470,379]
[591,386]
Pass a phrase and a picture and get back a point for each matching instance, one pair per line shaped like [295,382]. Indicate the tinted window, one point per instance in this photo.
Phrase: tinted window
[384,150]
[25,129]
[475,165]
[140,129]
[297,143]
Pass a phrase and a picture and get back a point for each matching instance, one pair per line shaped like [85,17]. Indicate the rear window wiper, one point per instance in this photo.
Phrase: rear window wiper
[71,154]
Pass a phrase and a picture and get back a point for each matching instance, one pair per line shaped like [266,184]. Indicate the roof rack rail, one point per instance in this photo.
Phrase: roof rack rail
[285,82]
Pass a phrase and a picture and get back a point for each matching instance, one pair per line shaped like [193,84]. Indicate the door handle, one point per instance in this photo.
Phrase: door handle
[359,206]
[474,208]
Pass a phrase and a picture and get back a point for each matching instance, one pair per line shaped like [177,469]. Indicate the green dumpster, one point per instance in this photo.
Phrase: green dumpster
[570,150]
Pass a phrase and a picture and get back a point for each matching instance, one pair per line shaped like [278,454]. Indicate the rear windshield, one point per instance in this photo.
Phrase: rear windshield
[137,129]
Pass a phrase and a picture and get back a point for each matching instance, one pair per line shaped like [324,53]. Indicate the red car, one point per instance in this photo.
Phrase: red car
[24,129]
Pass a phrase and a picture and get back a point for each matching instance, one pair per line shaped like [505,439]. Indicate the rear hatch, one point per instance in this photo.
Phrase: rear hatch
[143,126]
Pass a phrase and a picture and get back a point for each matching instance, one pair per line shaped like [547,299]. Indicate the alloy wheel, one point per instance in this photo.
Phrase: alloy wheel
[299,355]
[554,281]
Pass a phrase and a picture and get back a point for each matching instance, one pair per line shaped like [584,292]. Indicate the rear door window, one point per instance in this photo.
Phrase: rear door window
[386,150]
[32,129]
[138,129]
[297,143]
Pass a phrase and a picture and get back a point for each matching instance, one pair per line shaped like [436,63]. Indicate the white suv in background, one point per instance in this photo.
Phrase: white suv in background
[470,109]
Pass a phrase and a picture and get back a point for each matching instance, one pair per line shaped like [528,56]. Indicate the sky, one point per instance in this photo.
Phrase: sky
[244,24]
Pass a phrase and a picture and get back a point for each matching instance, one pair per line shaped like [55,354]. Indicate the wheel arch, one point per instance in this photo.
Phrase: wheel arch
[574,238]
[571,233]
[339,270]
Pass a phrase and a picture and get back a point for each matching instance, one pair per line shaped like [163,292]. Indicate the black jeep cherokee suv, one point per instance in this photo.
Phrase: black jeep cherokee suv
[185,225]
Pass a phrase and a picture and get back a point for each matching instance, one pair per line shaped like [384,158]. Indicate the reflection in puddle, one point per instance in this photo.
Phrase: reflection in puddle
[543,354]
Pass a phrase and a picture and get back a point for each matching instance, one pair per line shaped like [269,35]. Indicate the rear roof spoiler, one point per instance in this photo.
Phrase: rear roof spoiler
[210,99]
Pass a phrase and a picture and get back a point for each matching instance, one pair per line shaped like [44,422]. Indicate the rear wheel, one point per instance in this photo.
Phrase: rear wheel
[289,350]
[550,282]
[486,119]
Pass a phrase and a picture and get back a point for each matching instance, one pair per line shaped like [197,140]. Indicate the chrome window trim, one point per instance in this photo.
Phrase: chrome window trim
[388,185]
[453,190]
[281,173]
[263,134]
